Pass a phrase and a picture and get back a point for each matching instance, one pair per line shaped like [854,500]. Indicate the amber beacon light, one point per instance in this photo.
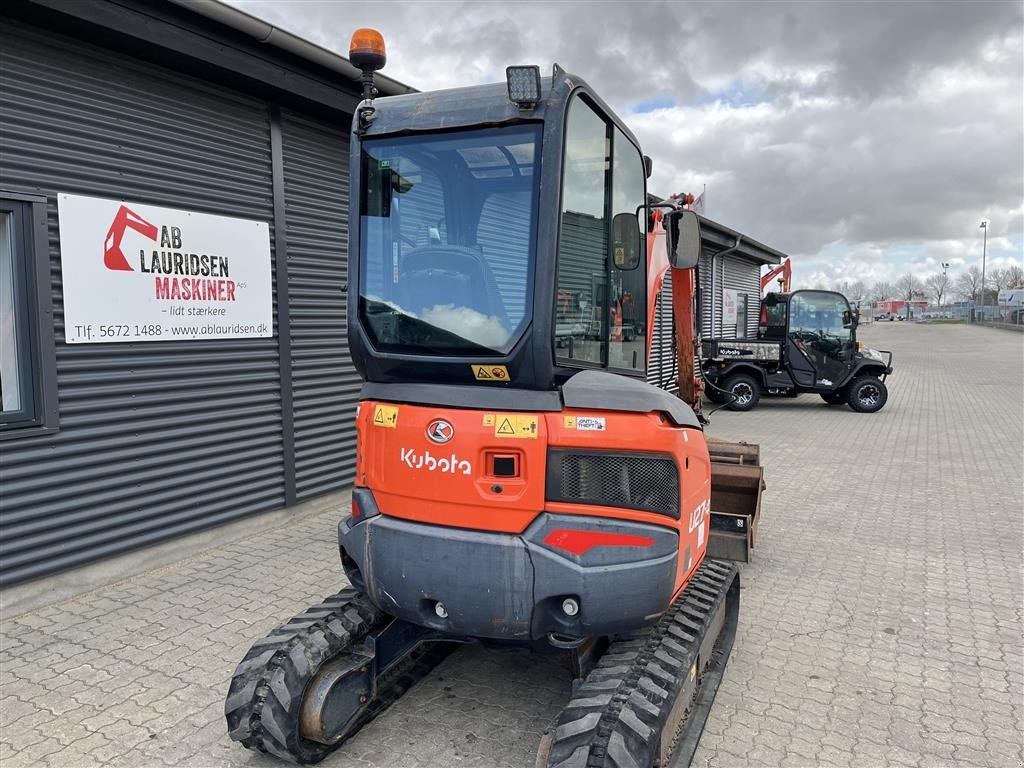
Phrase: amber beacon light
[366,51]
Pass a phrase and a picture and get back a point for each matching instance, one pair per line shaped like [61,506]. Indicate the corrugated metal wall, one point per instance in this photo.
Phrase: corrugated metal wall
[733,272]
[580,258]
[662,370]
[156,439]
[325,383]
[744,277]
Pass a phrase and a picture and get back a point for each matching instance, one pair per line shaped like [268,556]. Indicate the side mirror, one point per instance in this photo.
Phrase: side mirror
[626,241]
[648,166]
[682,230]
[849,319]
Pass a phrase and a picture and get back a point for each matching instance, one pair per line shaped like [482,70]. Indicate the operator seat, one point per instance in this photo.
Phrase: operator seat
[442,275]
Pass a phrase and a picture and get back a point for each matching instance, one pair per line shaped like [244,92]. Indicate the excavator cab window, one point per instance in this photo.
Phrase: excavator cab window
[602,276]
[447,248]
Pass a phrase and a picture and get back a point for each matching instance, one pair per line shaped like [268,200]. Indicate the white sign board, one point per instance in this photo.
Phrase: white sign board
[729,298]
[135,272]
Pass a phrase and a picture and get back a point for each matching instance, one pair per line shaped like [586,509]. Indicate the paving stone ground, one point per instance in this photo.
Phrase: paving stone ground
[880,623]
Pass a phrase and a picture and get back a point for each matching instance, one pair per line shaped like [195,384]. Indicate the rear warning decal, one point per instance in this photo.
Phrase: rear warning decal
[490,372]
[385,416]
[513,425]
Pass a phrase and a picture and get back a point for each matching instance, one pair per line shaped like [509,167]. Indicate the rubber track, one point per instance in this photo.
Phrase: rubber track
[266,692]
[616,716]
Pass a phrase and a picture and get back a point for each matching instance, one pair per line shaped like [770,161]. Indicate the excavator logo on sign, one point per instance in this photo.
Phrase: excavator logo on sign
[125,218]
[490,372]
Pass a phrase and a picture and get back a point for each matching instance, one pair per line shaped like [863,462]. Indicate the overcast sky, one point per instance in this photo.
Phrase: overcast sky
[865,139]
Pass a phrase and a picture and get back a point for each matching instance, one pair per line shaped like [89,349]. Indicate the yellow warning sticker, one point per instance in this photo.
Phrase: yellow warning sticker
[490,372]
[570,422]
[693,672]
[385,416]
[513,425]
[488,419]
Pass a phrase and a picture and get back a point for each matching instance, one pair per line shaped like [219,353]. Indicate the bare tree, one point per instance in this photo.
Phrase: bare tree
[1014,276]
[937,285]
[881,291]
[968,284]
[853,291]
[910,287]
[996,279]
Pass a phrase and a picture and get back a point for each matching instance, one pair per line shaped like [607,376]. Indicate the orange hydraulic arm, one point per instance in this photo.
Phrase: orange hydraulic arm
[786,272]
[683,293]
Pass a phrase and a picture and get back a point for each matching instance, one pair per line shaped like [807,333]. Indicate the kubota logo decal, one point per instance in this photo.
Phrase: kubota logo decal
[450,464]
[125,218]
[440,431]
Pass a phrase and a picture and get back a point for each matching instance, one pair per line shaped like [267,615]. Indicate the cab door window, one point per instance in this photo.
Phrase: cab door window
[600,310]
[816,328]
[627,335]
[580,319]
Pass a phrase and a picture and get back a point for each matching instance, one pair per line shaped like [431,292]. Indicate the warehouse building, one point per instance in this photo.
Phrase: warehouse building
[729,294]
[199,156]
[230,139]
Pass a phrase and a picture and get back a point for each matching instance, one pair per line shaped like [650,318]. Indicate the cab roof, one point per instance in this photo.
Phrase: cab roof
[481,105]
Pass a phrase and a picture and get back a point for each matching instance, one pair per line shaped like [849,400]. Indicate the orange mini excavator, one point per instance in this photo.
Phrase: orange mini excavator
[511,490]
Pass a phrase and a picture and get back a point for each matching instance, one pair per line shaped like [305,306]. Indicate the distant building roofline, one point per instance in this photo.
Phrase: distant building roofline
[722,237]
[719,234]
[265,32]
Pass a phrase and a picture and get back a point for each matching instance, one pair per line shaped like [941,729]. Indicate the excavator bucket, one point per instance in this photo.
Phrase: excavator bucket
[737,480]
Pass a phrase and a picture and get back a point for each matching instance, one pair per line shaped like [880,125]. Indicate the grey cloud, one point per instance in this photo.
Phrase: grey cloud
[864,137]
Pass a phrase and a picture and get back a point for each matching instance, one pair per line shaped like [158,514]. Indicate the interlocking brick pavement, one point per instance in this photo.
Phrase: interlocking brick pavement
[880,622]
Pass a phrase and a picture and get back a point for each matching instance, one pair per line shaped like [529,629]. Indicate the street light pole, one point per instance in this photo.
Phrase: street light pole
[945,266]
[984,243]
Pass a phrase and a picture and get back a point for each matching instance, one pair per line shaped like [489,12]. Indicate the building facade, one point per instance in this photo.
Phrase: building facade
[107,447]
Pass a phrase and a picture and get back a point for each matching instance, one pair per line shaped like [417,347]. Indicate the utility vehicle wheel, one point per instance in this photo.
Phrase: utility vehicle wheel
[867,394]
[745,391]
[834,398]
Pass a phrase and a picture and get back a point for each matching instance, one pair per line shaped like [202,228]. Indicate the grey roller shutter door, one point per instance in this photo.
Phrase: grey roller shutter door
[325,383]
[155,439]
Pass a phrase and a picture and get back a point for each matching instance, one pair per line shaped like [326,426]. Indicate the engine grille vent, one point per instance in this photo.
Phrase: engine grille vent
[643,481]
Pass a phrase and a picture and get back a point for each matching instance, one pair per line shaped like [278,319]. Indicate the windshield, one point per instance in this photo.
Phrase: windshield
[818,313]
[447,240]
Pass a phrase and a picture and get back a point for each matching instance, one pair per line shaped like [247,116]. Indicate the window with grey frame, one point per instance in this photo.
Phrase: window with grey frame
[741,316]
[19,370]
